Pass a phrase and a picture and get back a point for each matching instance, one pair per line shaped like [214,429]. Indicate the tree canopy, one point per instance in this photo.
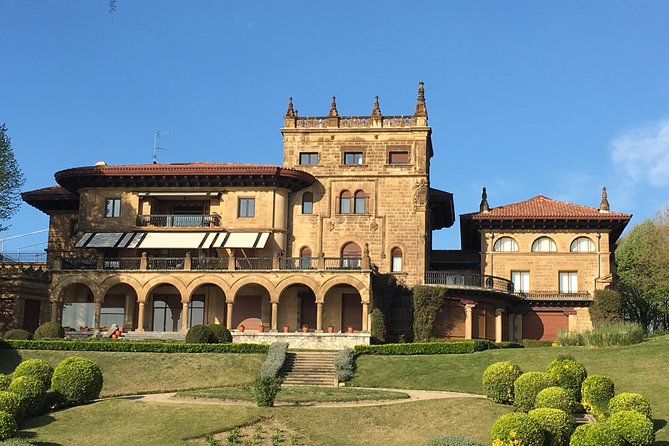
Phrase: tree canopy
[11,179]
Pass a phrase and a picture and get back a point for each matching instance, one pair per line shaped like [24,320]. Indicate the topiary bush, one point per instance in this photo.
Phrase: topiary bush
[77,380]
[517,429]
[556,398]
[30,392]
[18,334]
[50,330]
[264,390]
[10,403]
[378,328]
[276,356]
[596,392]
[344,363]
[200,334]
[557,425]
[634,428]
[630,401]
[221,333]
[607,308]
[498,381]
[38,368]
[595,434]
[527,386]
[4,381]
[569,374]
[452,440]
[8,426]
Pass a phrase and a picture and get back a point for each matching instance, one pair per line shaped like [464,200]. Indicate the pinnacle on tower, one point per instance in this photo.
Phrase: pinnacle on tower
[290,113]
[604,204]
[333,108]
[421,108]
[376,112]
[484,207]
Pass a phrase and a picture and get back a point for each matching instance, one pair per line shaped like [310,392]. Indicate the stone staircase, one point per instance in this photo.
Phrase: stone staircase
[309,368]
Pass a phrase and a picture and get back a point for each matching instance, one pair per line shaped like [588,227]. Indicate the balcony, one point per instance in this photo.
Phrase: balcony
[179,221]
[469,280]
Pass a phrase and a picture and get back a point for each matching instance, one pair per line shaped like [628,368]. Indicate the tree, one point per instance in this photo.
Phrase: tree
[11,178]
[643,275]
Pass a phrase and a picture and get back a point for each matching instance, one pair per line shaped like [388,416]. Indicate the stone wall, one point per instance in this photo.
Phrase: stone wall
[312,341]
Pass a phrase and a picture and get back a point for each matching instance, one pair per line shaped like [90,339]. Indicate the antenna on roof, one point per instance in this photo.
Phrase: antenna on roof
[156,137]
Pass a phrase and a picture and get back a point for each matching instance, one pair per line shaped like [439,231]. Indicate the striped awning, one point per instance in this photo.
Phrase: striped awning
[173,240]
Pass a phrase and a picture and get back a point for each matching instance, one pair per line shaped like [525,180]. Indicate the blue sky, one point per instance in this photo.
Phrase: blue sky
[524,97]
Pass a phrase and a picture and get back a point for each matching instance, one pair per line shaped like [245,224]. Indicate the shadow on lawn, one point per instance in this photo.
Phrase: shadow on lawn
[9,359]
[657,425]
[31,435]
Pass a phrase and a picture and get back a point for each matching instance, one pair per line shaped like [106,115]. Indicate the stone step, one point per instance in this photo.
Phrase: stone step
[309,368]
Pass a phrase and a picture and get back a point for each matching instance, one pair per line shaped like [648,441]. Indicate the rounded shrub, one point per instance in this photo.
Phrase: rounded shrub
[4,381]
[555,398]
[10,403]
[517,429]
[221,333]
[18,334]
[634,428]
[569,374]
[452,440]
[557,425]
[595,434]
[498,381]
[77,380]
[200,334]
[50,330]
[527,386]
[8,426]
[596,392]
[30,392]
[37,368]
[630,401]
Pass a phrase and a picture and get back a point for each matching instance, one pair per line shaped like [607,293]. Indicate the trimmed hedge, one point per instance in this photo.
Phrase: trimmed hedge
[556,424]
[10,403]
[425,348]
[276,356]
[607,308]
[517,429]
[556,398]
[634,428]
[508,344]
[77,380]
[344,363]
[18,334]
[5,380]
[200,334]
[595,434]
[452,440]
[222,334]
[37,368]
[596,392]
[134,346]
[498,381]
[630,401]
[8,426]
[50,330]
[527,386]
[264,390]
[569,374]
[30,392]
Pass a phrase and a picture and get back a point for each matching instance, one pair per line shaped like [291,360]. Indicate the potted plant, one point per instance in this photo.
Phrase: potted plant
[241,328]
[261,328]
[330,328]
[305,329]
[286,328]
[349,329]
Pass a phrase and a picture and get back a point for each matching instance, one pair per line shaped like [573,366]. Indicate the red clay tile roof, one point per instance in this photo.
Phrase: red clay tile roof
[542,207]
[52,198]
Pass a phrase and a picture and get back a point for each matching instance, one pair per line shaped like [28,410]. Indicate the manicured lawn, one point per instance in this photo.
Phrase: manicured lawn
[302,394]
[132,373]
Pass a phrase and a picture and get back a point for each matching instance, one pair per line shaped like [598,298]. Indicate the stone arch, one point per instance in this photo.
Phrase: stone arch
[208,280]
[301,280]
[58,288]
[253,280]
[122,279]
[361,287]
[165,280]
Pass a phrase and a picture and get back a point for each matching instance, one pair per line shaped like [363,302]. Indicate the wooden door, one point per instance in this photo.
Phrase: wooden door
[351,312]
[307,309]
[31,310]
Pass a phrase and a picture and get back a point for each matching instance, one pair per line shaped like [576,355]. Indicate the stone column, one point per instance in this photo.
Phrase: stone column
[184,316]
[140,317]
[54,311]
[228,317]
[275,316]
[281,219]
[319,317]
[365,318]
[98,311]
[127,312]
[499,325]
[469,321]
[510,334]
[518,327]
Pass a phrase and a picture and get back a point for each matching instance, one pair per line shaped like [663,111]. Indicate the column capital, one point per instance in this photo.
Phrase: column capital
[499,311]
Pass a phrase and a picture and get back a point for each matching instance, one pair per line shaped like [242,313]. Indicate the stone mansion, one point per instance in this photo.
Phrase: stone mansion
[264,248]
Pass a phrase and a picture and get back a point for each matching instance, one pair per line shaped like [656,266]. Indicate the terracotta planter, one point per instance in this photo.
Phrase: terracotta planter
[330,329]
[241,328]
[120,329]
[305,329]
[261,328]
[349,330]
[285,328]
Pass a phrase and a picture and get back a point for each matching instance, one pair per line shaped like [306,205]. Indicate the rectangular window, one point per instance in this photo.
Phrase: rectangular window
[398,157]
[352,158]
[308,159]
[113,207]
[521,280]
[247,207]
[568,282]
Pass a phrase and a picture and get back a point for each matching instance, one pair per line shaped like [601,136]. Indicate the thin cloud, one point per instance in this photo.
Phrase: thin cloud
[643,153]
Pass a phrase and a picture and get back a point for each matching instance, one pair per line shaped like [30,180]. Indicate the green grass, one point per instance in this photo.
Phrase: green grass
[132,373]
[299,395]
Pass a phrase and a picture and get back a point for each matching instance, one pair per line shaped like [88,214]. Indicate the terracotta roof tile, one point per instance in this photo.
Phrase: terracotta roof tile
[542,207]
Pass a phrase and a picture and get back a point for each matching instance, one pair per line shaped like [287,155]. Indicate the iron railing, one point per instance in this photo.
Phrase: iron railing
[23,257]
[209,263]
[253,263]
[343,263]
[121,263]
[181,221]
[78,263]
[165,263]
[465,279]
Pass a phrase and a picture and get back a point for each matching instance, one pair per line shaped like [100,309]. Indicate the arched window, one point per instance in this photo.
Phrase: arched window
[307,203]
[305,258]
[544,244]
[345,202]
[359,204]
[582,244]
[396,260]
[351,256]
[505,244]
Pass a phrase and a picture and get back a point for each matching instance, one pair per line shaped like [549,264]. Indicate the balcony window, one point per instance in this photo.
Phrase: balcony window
[305,258]
[398,157]
[247,207]
[112,207]
[568,282]
[505,244]
[359,202]
[345,202]
[352,158]
[544,244]
[521,280]
[307,203]
[351,255]
[308,159]
[396,260]
[582,244]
